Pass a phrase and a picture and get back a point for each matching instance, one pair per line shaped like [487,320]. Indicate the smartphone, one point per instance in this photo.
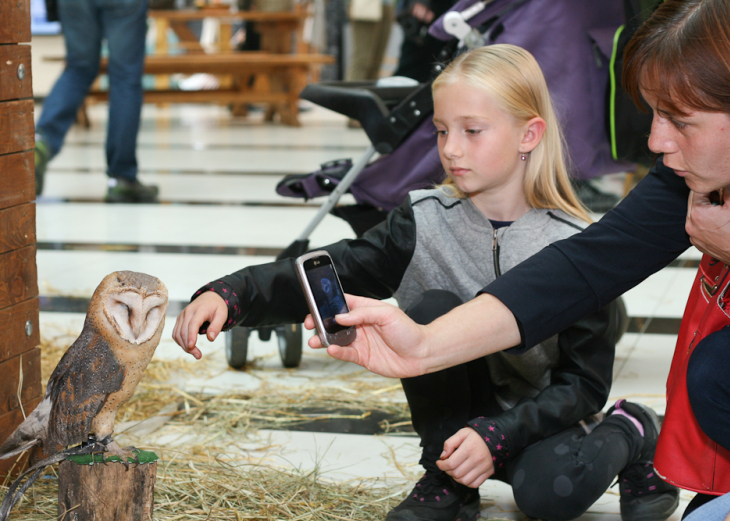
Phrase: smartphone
[325,297]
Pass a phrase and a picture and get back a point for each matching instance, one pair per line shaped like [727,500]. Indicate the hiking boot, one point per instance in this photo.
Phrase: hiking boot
[644,495]
[130,191]
[42,155]
[594,199]
[437,497]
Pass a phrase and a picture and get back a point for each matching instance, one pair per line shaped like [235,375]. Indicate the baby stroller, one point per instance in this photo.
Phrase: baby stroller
[572,44]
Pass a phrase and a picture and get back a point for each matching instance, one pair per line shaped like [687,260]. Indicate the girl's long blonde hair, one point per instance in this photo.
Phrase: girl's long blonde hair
[511,76]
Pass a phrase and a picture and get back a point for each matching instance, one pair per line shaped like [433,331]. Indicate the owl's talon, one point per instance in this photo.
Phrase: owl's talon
[112,449]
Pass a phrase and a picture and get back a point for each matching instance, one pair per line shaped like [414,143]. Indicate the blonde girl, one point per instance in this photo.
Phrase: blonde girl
[522,419]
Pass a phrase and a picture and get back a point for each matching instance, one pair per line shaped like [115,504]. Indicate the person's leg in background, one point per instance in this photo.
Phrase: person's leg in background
[442,403]
[381,35]
[82,35]
[369,42]
[708,387]
[361,56]
[125,28]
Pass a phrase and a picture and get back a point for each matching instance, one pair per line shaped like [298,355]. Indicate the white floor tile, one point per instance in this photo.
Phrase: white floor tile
[660,295]
[642,375]
[78,273]
[180,188]
[222,160]
[197,225]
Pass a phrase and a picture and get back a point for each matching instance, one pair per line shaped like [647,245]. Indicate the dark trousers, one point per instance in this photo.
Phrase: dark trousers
[708,386]
[557,478]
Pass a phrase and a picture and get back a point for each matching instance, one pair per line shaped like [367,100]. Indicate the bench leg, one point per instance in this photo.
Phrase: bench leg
[297,82]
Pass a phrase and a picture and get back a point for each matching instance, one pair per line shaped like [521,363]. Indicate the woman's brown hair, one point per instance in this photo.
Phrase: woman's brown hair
[681,54]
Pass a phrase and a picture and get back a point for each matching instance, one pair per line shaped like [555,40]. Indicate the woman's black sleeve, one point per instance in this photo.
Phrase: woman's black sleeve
[577,276]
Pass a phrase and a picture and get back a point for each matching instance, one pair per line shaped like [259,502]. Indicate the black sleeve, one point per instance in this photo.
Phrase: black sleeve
[577,276]
[579,385]
[371,266]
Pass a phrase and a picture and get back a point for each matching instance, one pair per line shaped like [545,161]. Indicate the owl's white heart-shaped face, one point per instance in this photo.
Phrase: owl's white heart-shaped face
[134,315]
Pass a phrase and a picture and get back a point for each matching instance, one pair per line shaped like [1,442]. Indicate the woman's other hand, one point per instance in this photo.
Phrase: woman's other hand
[708,224]
[208,307]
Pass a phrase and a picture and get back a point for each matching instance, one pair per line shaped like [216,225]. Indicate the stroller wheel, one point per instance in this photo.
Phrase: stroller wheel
[290,344]
[237,347]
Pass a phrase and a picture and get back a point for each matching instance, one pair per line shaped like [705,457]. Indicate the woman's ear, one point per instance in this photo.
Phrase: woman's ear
[534,129]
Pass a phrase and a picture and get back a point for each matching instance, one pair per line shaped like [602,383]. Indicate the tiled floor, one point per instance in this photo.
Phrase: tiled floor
[217,176]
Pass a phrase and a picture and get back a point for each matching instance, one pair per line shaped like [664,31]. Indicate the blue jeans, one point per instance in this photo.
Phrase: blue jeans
[715,510]
[85,23]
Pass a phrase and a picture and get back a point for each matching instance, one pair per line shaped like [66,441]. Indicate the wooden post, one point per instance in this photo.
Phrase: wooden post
[106,491]
[20,369]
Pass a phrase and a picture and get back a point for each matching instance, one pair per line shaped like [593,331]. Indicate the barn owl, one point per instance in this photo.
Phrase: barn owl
[100,370]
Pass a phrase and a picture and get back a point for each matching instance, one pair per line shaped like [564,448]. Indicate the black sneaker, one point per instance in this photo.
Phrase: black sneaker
[437,497]
[644,495]
[127,191]
[41,157]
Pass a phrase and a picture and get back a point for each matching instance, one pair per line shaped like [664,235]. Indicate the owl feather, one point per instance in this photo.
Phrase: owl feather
[100,370]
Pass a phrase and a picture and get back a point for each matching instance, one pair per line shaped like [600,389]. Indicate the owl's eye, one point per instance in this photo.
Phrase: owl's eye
[136,318]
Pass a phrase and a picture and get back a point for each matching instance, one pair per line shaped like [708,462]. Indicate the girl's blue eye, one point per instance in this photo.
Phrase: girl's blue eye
[473,131]
[679,125]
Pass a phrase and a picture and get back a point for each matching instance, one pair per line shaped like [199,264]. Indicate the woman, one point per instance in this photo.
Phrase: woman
[679,61]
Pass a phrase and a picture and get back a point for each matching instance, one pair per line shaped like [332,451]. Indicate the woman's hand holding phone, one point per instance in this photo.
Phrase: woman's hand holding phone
[388,342]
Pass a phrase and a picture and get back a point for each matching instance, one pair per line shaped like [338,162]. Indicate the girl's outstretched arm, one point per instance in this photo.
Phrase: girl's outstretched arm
[391,344]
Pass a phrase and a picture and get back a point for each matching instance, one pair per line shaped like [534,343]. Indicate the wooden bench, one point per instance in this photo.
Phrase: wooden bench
[258,77]
[276,27]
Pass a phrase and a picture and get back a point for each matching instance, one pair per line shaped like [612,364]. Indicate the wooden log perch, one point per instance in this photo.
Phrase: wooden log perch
[106,492]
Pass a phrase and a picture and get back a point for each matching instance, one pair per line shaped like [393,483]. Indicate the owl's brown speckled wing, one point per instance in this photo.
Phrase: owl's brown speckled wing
[86,374]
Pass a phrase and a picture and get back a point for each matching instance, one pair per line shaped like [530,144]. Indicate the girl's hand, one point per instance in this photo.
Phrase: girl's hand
[466,458]
[708,225]
[208,307]
[388,342]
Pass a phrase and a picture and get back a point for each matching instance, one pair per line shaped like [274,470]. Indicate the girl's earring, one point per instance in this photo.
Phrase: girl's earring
[523,157]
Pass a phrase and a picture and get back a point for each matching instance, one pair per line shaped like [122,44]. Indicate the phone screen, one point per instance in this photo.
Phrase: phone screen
[327,294]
